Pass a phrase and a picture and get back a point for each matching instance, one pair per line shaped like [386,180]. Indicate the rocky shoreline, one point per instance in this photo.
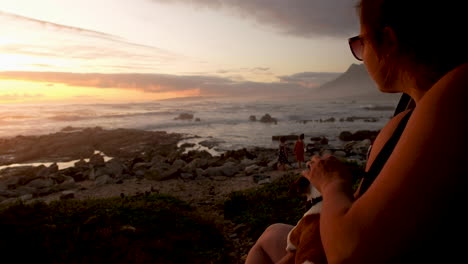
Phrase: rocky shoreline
[142,162]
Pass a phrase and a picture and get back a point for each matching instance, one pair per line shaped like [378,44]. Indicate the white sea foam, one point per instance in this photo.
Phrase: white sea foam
[224,120]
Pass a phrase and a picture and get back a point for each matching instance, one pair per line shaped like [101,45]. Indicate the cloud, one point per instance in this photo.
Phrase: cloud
[303,18]
[60,46]
[60,27]
[159,83]
[15,96]
[144,82]
[310,79]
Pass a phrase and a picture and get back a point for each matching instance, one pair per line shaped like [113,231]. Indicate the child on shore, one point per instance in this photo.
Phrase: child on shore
[299,150]
[282,154]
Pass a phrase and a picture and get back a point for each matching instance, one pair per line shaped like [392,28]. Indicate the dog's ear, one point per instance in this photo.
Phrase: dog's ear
[299,186]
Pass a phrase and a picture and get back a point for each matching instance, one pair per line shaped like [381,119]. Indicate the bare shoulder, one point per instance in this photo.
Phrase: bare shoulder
[427,166]
[448,95]
[384,135]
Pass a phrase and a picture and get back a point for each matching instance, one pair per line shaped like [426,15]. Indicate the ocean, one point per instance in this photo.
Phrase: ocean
[224,121]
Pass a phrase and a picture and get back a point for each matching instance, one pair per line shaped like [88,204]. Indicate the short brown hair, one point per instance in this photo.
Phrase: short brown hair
[430,35]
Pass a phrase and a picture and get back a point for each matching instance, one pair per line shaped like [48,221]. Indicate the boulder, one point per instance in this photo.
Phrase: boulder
[102,180]
[41,183]
[115,167]
[268,119]
[96,160]
[230,169]
[184,116]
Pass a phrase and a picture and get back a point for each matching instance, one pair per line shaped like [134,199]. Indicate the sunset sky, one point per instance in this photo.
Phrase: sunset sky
[139,50]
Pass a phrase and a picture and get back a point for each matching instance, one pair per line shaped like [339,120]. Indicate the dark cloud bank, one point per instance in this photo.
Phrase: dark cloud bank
[303,18]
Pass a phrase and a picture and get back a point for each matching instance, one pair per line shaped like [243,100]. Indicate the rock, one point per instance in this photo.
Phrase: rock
[8,193]
[9,201]
[339,153]
[81,163]
[251,169]
[213,171]
[218,178]
[115,167]
[260,177]
[253,118]
[187,145]
[142,166]
[46,171]
[288,137]
[272,164]
[346,136]
[268,119]
[230,169]
[246,162]
[41,183]
[264,181]
[178,164]
[23,190]
[67,195]
[102,180]
[184,116]
[358,135]
[79,176]
[199,172]
[210,143]
[195,164]
[25,197]
[186,176]
[358,147]
[97,160]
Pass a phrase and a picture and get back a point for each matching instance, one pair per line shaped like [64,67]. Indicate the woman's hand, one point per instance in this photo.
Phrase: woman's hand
[326,170]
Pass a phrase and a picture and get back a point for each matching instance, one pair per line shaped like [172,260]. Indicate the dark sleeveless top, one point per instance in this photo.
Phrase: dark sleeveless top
[444,242]
[383,155]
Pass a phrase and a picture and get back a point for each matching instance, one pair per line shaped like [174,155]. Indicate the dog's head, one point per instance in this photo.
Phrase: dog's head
[302,186]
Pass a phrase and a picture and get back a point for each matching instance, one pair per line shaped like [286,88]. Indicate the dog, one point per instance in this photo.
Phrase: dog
[304,239]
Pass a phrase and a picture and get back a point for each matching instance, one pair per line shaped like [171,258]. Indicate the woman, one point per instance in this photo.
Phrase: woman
[413,212]
[299,150]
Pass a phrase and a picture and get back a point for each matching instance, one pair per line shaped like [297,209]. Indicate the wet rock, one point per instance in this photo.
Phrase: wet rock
[81,163]
[267,118]
[97,160]
[184,116]
[288,137]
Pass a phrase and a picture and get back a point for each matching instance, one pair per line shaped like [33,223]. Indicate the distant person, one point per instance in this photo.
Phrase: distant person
[283,161]
[299,150]
[410,210]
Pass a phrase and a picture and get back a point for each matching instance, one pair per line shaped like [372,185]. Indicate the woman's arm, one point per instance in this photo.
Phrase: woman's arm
[424,169]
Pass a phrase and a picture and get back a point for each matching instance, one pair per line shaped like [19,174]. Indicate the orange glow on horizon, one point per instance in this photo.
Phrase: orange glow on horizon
[13,91]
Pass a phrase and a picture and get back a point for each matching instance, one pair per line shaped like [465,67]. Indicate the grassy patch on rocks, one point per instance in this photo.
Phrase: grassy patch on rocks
[258,208]
[139,229]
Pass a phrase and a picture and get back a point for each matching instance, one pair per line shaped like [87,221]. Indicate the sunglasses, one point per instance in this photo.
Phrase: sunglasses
[356,44]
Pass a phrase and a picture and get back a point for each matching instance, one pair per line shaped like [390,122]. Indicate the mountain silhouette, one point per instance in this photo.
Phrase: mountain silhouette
[354,84]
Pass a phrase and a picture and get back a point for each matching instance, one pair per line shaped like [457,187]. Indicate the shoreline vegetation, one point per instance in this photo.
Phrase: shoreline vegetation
[150,202]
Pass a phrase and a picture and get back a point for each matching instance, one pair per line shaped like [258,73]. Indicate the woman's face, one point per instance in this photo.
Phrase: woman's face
[378,67]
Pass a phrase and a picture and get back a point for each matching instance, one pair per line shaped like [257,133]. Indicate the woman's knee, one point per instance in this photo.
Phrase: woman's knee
[275,232]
